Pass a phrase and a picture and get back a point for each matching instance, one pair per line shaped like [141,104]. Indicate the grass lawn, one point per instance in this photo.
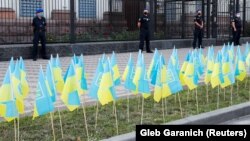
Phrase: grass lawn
[74,127]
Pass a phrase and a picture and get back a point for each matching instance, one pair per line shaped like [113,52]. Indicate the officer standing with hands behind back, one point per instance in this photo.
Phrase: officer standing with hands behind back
[39,25]
[236,28]
[143,25]
[198,31]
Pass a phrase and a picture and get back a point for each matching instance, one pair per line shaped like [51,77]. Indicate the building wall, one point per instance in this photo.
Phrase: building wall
[50,5]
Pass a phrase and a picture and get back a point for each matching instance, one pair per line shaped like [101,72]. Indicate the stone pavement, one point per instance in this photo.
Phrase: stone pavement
[32,69]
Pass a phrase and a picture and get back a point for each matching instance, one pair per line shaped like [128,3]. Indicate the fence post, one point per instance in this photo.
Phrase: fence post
[237,6]
[203,12]
[208,19]
[165,18]
[155,15]
[110,12]
[152,17]
[244,17]
[214,18]
[183,20]
[72,21]
[232,13]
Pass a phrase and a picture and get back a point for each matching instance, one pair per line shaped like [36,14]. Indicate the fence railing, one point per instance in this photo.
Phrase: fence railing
[116,20]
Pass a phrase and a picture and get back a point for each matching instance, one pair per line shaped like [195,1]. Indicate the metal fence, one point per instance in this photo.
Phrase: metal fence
[116,20]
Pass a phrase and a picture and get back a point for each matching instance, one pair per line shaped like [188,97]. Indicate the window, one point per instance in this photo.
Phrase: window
[198,5]
[87,8]
[28,7]
[117,5]
[171,11]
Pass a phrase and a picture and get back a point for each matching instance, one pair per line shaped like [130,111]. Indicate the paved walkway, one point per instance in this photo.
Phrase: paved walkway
[239,121]
[91,61]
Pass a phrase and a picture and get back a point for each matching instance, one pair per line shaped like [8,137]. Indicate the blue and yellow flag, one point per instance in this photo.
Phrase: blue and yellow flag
[80,74]
[23,79]
[138,71]
[17,88]
[140,78]
[96,81]
[183,68]
[217,76]
[173,80]
[230,49]
[161,89]
[152,71]
[70,95]
[198,63]
[43,103]
[191,74]
[246,51]
[106,91]
[143,82]
[12,65]
[209,65]
[51,81]
[240,68]
[175,60]
[248,60]
[227,71]
[8,108]
[115,70]
[57,73]
[128,75]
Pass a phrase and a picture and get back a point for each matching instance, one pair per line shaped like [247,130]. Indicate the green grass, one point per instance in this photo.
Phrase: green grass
[74,127]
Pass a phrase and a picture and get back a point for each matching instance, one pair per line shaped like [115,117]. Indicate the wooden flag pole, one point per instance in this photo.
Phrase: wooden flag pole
[113,108]
[165,105]
[116,121]
[231,95]
[237,88]
[197,101]
[15,129]
[18,129]
[163,111]
[96,114]
[246,83]
[218,97]
[60,118]
[180,104]
[85,120]
[128,107]
[142,108]
[174,99]
[52,126]
[188,96]
[139,101]
[207,94]
[224,94]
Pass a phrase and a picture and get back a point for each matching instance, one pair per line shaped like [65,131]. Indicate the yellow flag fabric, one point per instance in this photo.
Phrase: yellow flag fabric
[104,92]
[215,79]
[57,72]
[182,72]
[188,76]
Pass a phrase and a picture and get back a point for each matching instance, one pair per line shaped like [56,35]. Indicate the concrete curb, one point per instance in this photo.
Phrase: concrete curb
[213,117]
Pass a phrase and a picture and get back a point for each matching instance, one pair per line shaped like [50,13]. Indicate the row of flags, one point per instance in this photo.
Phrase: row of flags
[168,78]
[14,90]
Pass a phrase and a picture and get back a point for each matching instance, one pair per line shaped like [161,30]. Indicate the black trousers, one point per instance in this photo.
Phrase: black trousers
[236,37]
[144,36]
[198,34]
[39,36]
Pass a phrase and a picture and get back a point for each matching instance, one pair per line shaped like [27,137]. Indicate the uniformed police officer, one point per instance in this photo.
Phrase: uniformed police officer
[143,24]
[236,28]
[39,25]
[198,29]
